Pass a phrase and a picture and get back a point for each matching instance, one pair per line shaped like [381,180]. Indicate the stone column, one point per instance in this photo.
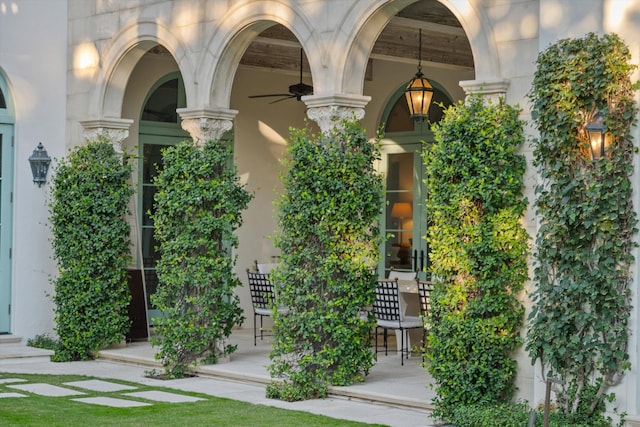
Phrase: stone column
[206,125]
[492,89]
[328,111]
[116,130]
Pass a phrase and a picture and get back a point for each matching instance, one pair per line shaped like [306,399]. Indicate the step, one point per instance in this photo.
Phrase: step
[10,339]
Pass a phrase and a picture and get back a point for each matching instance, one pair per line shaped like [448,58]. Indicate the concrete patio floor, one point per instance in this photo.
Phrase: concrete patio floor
[388,383]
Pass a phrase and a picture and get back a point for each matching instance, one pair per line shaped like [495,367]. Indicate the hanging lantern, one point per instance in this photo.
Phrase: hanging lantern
[419,91]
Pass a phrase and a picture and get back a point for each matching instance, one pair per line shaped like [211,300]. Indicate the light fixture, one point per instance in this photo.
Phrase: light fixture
[419,91]
[39,162]
[401,210]
[599,140]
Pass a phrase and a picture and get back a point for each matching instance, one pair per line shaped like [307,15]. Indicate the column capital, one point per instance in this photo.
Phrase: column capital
[114,129]
[204,125]
[493,89]
[328,111]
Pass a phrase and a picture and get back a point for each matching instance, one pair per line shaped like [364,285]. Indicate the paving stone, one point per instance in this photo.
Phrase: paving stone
[163,396]
[9,394]
[99,385]
[111,401]
[11,380]
[45,389]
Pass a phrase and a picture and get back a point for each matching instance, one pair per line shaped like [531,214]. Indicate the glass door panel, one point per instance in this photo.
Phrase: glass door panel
[404,221]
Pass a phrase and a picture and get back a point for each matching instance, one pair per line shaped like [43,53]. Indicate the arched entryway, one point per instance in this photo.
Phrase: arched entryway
[6,204]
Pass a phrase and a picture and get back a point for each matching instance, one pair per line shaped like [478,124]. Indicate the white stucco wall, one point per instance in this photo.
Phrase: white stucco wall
[35,63]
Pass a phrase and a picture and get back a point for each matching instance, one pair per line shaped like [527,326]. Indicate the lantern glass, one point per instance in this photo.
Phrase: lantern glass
[39,162]
[418,94]
[599,140]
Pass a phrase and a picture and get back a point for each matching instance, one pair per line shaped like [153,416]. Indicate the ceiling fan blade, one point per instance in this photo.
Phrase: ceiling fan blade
[282,99]
[269,95]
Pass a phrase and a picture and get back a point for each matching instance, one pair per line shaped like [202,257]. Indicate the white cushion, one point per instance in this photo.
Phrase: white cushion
[266,268]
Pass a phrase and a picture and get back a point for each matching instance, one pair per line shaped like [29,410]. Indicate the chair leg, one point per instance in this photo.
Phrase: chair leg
[255,332]
[402,347]
[261,328]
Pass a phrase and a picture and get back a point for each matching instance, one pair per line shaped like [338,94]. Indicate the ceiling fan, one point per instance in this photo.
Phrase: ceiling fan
[296,91]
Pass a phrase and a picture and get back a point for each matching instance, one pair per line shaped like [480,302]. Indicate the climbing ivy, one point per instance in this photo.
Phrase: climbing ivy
[198,206]
[88,209]
[478,250]
[329,241]
[579,328]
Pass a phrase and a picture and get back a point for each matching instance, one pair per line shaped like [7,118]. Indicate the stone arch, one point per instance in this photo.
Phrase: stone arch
[122,55]
[229,41]
[368,23]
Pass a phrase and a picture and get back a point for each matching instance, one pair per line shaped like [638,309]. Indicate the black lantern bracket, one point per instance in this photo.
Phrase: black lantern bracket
[39,162]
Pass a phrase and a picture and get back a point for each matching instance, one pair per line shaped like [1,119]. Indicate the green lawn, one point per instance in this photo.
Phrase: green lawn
[36,410]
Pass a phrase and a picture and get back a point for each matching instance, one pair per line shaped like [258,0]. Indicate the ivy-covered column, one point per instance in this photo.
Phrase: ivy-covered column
[333,110]
[207,125]
[112,130]
[198,207]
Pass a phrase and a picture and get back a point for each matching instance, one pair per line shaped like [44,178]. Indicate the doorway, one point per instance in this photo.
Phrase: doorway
[6,207]
[404,220]
[159,128]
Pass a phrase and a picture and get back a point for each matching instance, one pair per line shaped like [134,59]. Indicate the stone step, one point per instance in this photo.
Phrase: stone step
[9,339]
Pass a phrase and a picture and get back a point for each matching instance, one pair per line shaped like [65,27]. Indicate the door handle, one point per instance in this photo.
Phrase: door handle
[414,258]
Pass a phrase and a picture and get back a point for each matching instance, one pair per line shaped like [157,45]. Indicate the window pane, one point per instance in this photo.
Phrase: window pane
[3,103]
[161,105]
[152,159]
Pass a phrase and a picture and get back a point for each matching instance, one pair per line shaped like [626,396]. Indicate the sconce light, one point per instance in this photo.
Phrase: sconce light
[39,162]
[419,91]
[599,140]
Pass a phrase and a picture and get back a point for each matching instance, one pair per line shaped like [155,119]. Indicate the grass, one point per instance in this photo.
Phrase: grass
[36,410]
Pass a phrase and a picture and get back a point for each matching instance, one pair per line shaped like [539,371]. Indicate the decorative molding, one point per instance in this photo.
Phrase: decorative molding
[116,130]
[328,111]
[493,89]
[204,125]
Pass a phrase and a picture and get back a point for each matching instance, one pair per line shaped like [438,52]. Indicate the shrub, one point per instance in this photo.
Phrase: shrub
[329,242]
[198,206]
[478,250]
[89,204]
[43,341]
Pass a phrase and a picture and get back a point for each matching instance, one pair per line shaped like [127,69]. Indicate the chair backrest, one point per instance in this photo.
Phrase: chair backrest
[387,302]
[402,275]
[424,293]
[261,290]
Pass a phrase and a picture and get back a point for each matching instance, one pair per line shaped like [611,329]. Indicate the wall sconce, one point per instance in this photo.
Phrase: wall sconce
[419,91]
[39,162]
[599,140]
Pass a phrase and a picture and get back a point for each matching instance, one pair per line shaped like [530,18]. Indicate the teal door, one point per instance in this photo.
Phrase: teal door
[6,205]
[159,128]
[6,208]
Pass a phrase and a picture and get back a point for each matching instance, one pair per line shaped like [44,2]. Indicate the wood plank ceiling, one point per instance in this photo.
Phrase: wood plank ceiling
[444,42]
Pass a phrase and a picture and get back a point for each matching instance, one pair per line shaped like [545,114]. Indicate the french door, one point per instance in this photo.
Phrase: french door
[404,220]
[6,208]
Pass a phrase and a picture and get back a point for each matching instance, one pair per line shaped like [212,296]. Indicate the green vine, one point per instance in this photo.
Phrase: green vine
[579,328]
[478,250]
[88,209]
[198,206]
[329,241]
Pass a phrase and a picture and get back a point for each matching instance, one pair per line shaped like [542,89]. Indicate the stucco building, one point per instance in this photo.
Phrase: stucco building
[153,72]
